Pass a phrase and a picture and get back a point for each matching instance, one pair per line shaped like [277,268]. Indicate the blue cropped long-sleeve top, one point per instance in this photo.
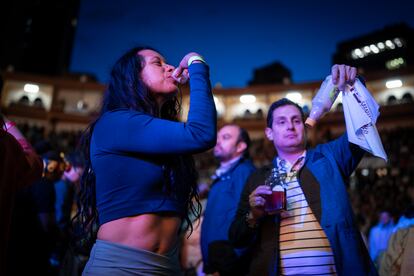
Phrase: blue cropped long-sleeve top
[127,150]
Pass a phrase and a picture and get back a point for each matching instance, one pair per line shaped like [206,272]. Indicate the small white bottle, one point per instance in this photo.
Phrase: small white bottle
[322,102]
[182,78]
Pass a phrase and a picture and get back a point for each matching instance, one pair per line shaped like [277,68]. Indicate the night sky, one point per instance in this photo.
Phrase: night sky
[235,37]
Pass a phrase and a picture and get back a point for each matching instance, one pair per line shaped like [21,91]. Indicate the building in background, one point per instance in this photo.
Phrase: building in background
[66,103]
[388,49]
[274,73]
[49,104]
[37,36]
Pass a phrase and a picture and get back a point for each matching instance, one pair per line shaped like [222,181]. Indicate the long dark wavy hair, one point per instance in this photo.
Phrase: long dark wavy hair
[126,90]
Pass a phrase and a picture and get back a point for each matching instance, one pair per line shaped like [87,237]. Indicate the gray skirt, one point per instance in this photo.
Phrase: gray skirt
[113,259]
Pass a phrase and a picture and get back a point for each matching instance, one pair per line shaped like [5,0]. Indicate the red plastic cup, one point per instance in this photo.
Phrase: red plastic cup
[275,202]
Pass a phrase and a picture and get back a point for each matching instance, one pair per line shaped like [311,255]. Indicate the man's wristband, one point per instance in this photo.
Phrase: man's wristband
[194,58]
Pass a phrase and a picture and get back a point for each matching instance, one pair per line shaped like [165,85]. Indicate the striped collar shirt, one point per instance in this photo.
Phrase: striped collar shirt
[304,246]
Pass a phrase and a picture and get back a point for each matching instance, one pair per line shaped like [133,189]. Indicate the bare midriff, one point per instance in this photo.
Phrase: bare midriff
[152,232]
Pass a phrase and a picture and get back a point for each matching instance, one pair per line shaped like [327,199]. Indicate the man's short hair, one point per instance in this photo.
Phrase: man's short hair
[243,137]
[280,103]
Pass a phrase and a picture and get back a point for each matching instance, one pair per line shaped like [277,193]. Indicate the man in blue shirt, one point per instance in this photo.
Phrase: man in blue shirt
[232,151]
[380,234]
[316,234]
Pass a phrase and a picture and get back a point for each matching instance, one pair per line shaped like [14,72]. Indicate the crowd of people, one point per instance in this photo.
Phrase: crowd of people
[125,196]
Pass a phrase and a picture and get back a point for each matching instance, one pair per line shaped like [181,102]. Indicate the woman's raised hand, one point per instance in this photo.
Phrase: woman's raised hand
[181,72]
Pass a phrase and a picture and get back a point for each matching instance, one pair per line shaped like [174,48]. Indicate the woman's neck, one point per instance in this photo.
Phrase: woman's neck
[160,100]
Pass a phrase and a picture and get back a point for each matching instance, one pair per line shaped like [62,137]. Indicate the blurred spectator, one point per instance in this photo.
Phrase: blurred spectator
[247,114]
[407,98]
[232,151]
[38,103]
[391,100]
[380,234]
[24,100]
[398,259]
[19,167]
[65,141]
[190,253]
[34,230]
[43,194]
[65,190]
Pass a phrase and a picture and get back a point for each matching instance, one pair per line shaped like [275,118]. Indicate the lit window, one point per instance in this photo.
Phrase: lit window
[365,172]
[398,42]
[31,88]
[393,84]
[354,56]
[374,49]
[294,96]
[395,63]
[219,106]
[247,99]
[357,53]
[389,44]
[216,100]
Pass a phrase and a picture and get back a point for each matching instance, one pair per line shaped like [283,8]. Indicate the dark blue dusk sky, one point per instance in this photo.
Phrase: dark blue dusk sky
[235,37]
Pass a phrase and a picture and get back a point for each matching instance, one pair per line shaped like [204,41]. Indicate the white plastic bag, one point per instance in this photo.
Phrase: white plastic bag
[361,113]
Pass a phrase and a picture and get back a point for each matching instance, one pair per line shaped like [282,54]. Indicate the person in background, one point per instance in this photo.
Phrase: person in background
[65,190]
[232,151]
[20,166]
[42,193]
[316,234]
[398,258]
[190,255]
[140,179]
[380,234]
